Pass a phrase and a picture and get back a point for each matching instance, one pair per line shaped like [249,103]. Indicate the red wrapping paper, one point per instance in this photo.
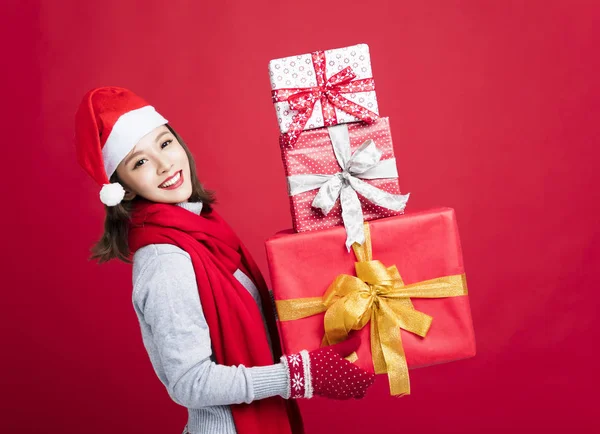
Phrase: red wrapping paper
[423,245]
[313,154]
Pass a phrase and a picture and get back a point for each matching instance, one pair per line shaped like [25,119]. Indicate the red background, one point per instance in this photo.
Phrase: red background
[494,109]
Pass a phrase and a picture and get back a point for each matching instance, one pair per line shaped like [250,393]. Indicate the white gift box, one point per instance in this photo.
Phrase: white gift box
[298,74]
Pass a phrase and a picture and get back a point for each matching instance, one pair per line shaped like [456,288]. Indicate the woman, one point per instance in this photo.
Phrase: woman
[202,303]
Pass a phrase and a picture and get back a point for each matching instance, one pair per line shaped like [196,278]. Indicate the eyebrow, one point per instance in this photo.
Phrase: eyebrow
[131,157]
[160,135]
[139,152]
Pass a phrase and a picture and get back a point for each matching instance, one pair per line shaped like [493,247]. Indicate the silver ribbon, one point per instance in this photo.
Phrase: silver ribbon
[364,163]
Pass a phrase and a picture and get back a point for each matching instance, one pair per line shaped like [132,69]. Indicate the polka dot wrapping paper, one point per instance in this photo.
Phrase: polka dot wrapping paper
[298,73]
[313,154]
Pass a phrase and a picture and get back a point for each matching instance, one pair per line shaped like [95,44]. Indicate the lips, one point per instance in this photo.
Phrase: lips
[172,182]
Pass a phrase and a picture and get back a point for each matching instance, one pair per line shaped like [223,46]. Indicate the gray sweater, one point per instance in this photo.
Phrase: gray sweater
[176,336]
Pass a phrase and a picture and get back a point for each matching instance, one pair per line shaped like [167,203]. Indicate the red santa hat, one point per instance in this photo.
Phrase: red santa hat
[108,124]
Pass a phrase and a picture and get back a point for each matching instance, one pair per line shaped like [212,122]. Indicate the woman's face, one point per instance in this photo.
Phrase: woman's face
[157,168]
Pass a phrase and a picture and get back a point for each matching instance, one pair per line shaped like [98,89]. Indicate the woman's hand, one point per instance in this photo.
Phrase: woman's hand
[325,372]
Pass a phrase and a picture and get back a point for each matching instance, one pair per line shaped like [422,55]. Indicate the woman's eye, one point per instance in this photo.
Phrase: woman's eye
[166,143]
[139,163]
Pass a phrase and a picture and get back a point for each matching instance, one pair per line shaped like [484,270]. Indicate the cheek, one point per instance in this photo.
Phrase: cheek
[182,157]
[142,179]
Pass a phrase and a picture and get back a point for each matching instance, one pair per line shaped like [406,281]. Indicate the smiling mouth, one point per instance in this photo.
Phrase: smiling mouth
[173,182]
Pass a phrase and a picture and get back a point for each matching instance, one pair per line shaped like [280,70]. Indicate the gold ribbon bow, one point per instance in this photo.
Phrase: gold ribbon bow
[377,294]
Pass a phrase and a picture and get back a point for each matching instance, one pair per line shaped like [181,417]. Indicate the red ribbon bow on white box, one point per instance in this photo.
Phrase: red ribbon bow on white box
[330,93]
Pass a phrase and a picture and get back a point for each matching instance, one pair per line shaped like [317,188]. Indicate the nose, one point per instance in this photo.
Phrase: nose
[164,165]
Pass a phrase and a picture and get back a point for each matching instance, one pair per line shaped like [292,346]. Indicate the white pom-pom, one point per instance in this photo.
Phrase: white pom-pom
[112,194]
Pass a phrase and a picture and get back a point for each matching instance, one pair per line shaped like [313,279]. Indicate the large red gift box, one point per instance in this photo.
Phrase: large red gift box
[313,153]
[423,245]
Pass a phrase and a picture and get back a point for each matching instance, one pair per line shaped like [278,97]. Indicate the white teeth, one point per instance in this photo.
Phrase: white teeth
[171,181]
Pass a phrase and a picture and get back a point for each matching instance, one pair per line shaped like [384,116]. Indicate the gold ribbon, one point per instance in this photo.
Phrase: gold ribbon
[377,294]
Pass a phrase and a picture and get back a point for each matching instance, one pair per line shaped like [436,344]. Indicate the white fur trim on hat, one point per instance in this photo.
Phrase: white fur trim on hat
[112,194]
[127,131]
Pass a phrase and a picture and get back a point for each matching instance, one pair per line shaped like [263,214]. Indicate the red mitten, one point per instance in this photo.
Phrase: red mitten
[326,373]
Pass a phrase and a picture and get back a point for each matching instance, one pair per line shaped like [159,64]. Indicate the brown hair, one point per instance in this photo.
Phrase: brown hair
[113,244]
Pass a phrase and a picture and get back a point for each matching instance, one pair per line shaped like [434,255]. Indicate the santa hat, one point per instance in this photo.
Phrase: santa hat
[108,124]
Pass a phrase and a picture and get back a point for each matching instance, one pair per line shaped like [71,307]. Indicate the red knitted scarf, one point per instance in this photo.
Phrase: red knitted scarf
[234,320]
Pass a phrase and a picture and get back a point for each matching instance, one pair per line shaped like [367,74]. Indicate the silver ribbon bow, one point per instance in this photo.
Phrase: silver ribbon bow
[364,163]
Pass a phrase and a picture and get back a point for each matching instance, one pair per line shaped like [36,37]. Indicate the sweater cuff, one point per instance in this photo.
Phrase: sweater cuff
[271,380]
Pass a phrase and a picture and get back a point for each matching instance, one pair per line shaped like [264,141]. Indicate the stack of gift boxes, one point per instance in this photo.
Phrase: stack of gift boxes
[355,263]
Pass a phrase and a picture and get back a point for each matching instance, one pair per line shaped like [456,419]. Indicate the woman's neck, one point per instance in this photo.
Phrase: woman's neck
[195,207]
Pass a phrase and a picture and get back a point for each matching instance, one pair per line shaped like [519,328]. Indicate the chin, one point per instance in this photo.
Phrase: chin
[179,198]
[182,194]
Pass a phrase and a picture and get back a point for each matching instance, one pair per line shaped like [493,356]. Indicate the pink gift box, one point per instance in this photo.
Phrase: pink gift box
[313,154]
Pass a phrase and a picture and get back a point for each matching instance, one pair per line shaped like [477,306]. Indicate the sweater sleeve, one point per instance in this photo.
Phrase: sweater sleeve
[166,292]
